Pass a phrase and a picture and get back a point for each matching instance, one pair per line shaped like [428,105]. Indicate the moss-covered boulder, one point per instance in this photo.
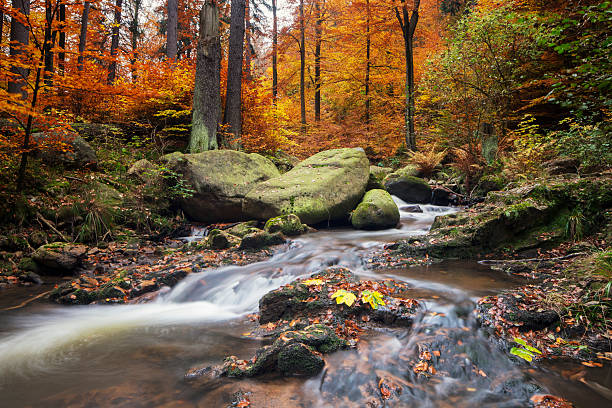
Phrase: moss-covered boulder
[326,186]
[261,239]
[218,239]
[59,257]
[219,180]
[145,171]
[289,225]
[243,228]
[406,185]
[65,148]
[377,175]
[377,210]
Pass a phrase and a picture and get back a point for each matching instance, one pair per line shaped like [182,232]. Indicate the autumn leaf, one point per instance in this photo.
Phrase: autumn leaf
[313,282]
[344,296]
[374,298]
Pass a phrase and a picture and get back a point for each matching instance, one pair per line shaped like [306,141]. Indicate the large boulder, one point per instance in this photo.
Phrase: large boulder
[59,257]
[66,148]
[220,179]
[326,186]
[405,184]
[377,210]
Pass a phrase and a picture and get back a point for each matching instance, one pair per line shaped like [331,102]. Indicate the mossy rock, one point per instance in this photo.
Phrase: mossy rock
[218,239]
[145,171]
[377,210]
[289,225]
[407,186]
[324,187]
[243,228]
[79,153]
[261,239]
[377,175]
[299,359]
[28,264]
[220,180]
[59,257]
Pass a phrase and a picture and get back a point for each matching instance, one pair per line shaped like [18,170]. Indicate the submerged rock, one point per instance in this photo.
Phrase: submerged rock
[324,187]
[377,210]
[59,257]
[220,180]
[407,186]
[289,225]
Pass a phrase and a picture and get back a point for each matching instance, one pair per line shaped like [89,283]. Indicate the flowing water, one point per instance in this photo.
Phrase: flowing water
[136,355]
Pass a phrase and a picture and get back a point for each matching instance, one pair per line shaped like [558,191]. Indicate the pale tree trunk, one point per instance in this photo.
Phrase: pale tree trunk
[20,37]
[1,20]
[233,98]
[317,60]
[112,68]
[302,66]
[408,25]
[367,70]
[61,55]
[274,52]
[83,35]
[172,30]
[206,93]
[247,42]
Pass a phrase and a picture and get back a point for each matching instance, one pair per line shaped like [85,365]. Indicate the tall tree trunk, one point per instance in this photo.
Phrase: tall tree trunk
[317,60]
[367,70]
[1,20]
[247,42]
[206,93]
[20,37]
[83,35]
[302,66]
[233,98]
[274,52]
[134,35]
[172,30]
[408,25]
[61,55]
[47,51]
[112,68]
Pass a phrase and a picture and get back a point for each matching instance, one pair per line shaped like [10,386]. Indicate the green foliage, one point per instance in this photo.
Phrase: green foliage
[575,225]
[583,39]
[526,352]
[590,143]
[373,297]
[344,296]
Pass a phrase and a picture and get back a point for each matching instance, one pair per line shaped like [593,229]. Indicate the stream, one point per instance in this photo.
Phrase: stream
[136,355]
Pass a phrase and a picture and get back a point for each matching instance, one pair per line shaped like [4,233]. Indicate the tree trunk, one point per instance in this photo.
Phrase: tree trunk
[302,66]
[61,55]
[247,42]
[367,71]
[233,97]
[408,25]
[83,35]
[112,68]
[20,37]
[274,52]
[47,51]
[134,35]
[1,20]
[317,60]
[206,93]
[172,30]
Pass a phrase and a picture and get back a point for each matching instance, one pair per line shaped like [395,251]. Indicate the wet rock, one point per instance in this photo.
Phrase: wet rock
[513,314]
[28,264]
[59,257]
[289,225]
[443,197]
[80,153]
[407,186]
[299,359]
[31,277]
[261,239]
[412,209]
[324,187]
[376,211]
[220,179]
